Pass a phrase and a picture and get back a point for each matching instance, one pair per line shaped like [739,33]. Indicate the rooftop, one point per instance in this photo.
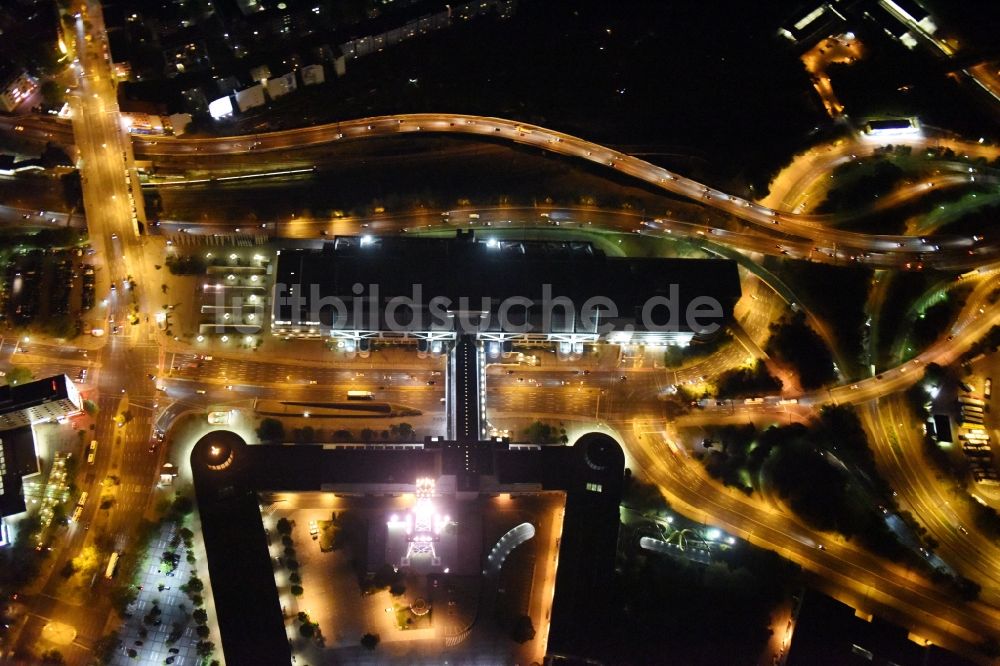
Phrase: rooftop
[17,460]
[228,474]
[558,279]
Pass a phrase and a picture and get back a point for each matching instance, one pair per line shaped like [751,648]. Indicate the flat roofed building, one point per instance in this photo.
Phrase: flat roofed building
[15,87]
[435,288]
[228,475]
[17,460]
[831,633]
[812,21]
[38,401]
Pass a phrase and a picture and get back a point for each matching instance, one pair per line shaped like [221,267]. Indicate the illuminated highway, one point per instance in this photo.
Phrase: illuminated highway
[125,360]
[624,397]
[879,250]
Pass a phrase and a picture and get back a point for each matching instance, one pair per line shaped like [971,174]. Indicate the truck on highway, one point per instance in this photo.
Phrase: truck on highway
[360,395]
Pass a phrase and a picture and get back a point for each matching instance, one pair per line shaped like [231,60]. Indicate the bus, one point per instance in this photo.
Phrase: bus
[112,569]
[360,395]
[83,499]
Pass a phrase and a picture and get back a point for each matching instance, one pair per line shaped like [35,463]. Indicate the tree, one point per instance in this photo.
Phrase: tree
[642,496]
[19,375]
[195,584]
[106,647]
[524,630]
[200,616]
[284,526]
[795,343]
[541,433]
[52,94]
[189,265]
[202,631]
[271,430]
[53,657]
[297,590]
[742,382]
[182,506]
[370,641]
[367,435]
[205,648]
[91,408]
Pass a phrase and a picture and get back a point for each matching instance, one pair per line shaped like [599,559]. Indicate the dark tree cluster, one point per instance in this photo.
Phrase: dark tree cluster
[675,356]
[857,185]
[935,320]
[837,296]
[540,432]
[699,614]
[805,465]
[744,382]
[794,342]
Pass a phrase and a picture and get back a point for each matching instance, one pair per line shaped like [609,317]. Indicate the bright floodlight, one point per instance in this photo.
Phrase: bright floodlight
[367,240]
[713,534]
[492,243]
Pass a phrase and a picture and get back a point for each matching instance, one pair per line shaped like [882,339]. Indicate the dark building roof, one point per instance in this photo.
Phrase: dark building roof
[591,473]
[17,460]
[120,45]
[23,396]
[481,275]
[228,474]
[889,124]
[942,427]
[828,633]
